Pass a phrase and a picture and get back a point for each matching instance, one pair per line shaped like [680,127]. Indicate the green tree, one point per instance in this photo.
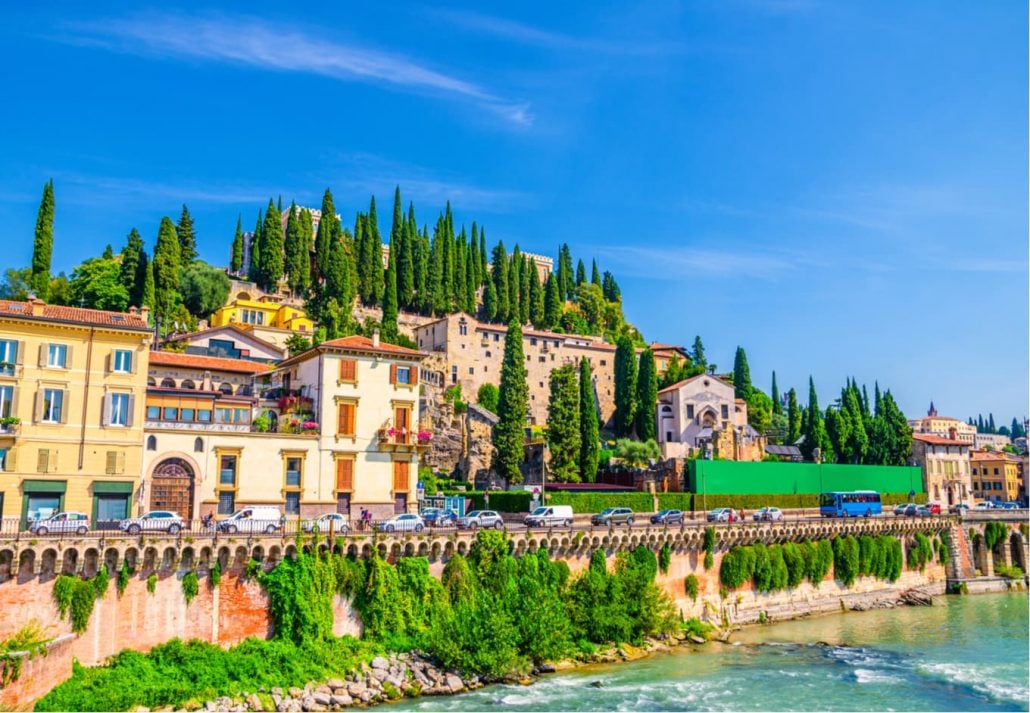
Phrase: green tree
[254,268]
[563,428]
[97,284]
[129,272]
[407,262]
[591,304]
[589,424]
[595,274]
[488,397]
[625,386]
[508,433]
[815,429]
[148,293]
[297,257]
[793,418]
[271,268]
[187,237]
[777,405]
[741,374]
[581,273]
[16,284]
[697,354]
[166,269]
[552,303]
[236,257]
[527,274]
[566,278]
[647,396]
[390,300]
[43,244]
[499,272]
[489,302]
[611,290]
[60,290]
[204,288]
[376,275]
[328,233]
[537,308]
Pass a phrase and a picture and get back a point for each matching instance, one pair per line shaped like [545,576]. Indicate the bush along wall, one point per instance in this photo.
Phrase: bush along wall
[490,614]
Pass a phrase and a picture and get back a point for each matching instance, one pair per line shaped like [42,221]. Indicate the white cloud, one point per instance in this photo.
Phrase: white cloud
[248,41]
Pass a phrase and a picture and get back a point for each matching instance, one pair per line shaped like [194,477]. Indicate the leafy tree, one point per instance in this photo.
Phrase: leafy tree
[647,396]
[697,354]
[563,432]
[297,344]
[637,454]
[16,284]
[588,423]
[129,272]
[508,433]
[625,386]
[236,258]
[488,397]
[166,269]
[43,244]
[759,410]
[204,288]
[187,237]
[60,290]
[793,417]
[97,283]
[741,374]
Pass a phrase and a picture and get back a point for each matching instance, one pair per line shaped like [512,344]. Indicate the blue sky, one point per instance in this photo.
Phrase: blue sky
[841,188]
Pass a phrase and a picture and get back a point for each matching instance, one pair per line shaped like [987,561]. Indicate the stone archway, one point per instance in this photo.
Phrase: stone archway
[1017,551]
[172,487]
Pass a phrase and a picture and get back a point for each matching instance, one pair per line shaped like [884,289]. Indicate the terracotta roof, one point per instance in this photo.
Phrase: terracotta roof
[678,384]
[233,327]
[74,315]
[993,455]
[364,344]
[196,361]
[937,440]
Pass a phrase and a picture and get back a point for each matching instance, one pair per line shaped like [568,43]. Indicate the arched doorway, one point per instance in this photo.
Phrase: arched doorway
[1017,551]
[171,487]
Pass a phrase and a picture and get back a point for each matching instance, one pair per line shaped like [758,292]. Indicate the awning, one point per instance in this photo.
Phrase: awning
[111,488]
[44,486]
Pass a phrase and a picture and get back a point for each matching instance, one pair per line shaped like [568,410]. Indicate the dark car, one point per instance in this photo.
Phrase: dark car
[667,517]
[958,508]
[439,517]
[613,516]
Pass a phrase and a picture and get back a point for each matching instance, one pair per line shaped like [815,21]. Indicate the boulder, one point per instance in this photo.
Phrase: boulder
[696,639]
[454,683]
[322,697]
[546,668]
[380,662]
[341,699]
[254,703]
[356,689]
[296,692]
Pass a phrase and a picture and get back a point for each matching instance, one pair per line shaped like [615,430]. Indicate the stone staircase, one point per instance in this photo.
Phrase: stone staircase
[960,566]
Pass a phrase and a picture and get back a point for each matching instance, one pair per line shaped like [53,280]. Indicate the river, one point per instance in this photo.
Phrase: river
[962,654]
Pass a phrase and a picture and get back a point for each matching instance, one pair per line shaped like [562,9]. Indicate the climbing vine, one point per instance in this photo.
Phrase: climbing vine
[846,559]
[920,552]
[664,558]
[152,583]
[190,586]
[214,575]
[709,547]
[75,597]
[690,585]
[28,643]
[944,548]
[994,532]
[101,581]
[124,574]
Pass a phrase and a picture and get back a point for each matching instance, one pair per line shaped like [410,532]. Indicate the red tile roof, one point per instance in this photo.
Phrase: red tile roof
[678,384]
[196,361]
[74,315]
[364,344]
[937,440]
[226,327]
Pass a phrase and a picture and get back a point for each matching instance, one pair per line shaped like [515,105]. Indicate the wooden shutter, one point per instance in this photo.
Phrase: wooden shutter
[345,474]
[393,373]
[11,460]
[43,460]
[105,417]
[19,353]
[131,410]
[414,375]
[37,407]
[42,354]
[65,405]
[112,463]
[132,362]
[400,476]
[69,356]
[345,421]
[348,370]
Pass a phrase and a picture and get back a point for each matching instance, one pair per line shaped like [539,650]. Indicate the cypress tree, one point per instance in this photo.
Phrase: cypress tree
[187,237]
[376,276]
[566,280]
[483,271]
[422,275]
[526,278]
[581,273]
[477,277]
[390,299]
[489,302]
[43,244]
[563,428]
[991,428]
[437,296]
[446,265]
[129,273]
[296,262]
[865,403]
[500,280]
[595,275]
[337,278]
[254,268]
[878,399]
[537,308]
[741,375]
[815,429]
[328,232]
[471,285]
[508,433]
[647,396]
[236,257]
[858,440]
[406,261]
[980,426]
[460,272]
[552,303]
[793,418]
[272,241]
[146,278]
[588,423]
[777,406]
[514,284]
[625,387]
[697,354]
[166,269]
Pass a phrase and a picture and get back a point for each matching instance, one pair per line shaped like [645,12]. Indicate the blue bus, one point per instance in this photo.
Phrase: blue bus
[858,503]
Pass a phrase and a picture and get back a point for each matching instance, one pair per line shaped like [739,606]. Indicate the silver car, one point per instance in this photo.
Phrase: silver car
[769,515]
[323,523]
[402,523]
[481,518]
[155,521]
[77,522]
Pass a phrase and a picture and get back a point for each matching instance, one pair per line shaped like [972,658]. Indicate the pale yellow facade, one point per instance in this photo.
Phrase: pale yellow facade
[72,383]
[263,313]
[995,476]
[946,469]
[944,427]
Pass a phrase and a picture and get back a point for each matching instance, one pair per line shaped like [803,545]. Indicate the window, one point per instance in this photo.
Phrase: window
[122,361]
[995,471]
[403,375]
[198,445]
[472,370]
[151,443]
[976,485]
[604,362]
[346,417]
[204,415]
[344,474]
[690,410]
[119,410]
[497,337]
[6,397]
[463,328]
[543,359]
[187,414]
[227,471]
[532,342]
[292,503]
[725,411]
[8,356]
[454,374]
[488,354]
[226,503]
[348,370]
[557,343]
[293,472]
[153,413]
[53,401]
[169,413]
[57,356]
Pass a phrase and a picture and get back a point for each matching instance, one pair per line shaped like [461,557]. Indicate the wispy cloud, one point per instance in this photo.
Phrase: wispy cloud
[678,263]
[247,41]
[529,35]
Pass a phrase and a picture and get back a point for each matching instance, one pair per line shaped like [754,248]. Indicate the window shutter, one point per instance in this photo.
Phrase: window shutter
[393,373]
[414,375]
[348,370]
[121,462]
[341,419]
[112,462]
[19,353]
[132,410]
[37,408]
[400,476]
[42,354]
[109,363]
[132,362]
[345,474]
[105,419]
[11,461]
[43,461]
[69,355]
[351,417]
[65,405]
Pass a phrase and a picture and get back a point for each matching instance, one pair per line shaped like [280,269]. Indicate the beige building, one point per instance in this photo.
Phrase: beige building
[228,342]
[943,426]
[994,441]
[71,410]
[995,476]
[946,469]
[702,416]
[365,396]
[469,352]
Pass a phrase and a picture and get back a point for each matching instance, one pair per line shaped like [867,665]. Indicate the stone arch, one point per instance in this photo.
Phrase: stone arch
[111,559]
[352,551]
[90,562]
[169,558]
[167,383]
[291,552]
[172,484]
[27,563]
[409,549]
[423,549]
[150,559]
[434,551]
[239,560]
[188,384]
[224,558]
[981,556]
[204,561]
[448,550]
[6,563]
[275,555]
[187,559]
[463,548]
[245,390]
[383,552]
[258,553]
[366,551]
[151,381]
[69,560]
[226,388]
[1017,550]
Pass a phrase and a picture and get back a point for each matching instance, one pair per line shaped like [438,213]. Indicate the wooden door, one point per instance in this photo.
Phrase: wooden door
[171,488]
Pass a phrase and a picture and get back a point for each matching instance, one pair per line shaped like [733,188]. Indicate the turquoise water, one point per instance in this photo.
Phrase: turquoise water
[963,654]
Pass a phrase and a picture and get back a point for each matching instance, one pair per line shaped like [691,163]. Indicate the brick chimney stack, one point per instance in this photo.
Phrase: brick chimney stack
[375,339]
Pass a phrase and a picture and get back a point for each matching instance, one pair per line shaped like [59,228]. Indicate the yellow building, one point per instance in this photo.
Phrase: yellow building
[265,315]
[995,476]
[943,426]
[72,382]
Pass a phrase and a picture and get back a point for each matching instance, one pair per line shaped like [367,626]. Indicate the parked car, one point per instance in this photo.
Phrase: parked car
[904,508]
[769,515]
[481,518]
[1008,505]
[439,517]
[723,515]
[404,522]
[613,516]
[923,511]
[259,518]
[667,517]
[68,521]
[984,505]
[934,508]
[337,522]
[154,521]
[958,508]
[550,516]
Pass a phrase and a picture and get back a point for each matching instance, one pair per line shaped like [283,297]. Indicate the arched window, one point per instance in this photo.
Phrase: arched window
[198,445]
[226,388]
[168,383]
[151,381]
[245,390]
[188,384]
[151,443]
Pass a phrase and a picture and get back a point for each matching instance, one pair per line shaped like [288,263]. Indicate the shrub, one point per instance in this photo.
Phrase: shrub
[995,533]
[124,574]
[695,627]
[190,586]
[64,588]
[83,597]
[1012,572]
[664,558]
[101,580]
[845,559]
[920,552]
[794,560]
[738,565]
[214,575]
[944,548]
[690,586]
[709,547]
[152,583]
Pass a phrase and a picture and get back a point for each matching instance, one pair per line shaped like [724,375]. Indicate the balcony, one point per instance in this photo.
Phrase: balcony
[10,427]
[400,440]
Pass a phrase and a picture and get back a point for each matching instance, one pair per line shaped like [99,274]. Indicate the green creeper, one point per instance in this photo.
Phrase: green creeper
[508,433]
[647,396]
[563,431]
[43,244]
[625,387]
[589,425]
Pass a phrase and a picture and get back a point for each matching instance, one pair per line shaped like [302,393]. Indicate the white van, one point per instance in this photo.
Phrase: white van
[259,518]
[550,516]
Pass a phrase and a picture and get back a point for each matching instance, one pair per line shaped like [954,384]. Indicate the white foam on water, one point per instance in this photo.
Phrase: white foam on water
[982,678]
[865,675]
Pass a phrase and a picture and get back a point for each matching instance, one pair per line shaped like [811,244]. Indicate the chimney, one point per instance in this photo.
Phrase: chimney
[375,339]
[37,306]
[144,314]
[133,311]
